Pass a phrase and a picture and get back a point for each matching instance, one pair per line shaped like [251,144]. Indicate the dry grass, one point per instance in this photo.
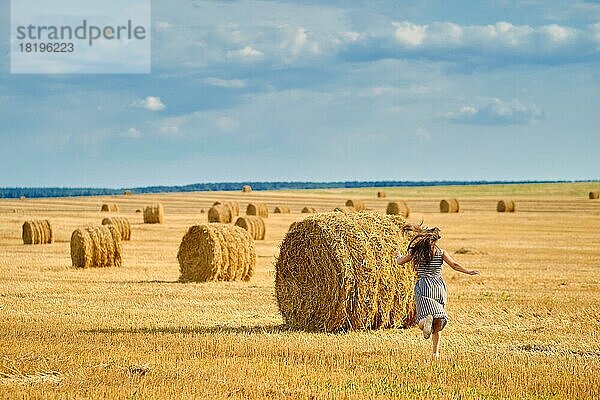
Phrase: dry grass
[526,328]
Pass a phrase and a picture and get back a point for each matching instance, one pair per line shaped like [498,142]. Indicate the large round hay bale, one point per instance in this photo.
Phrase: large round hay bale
[246,189]
[216,252]
[449,206]
[282,210]
[309,210]
[358,205]
[259,209]
[122,224]
[220,214]
[254,225]
[127,193]
[234,206]
[109,207]
[96,246]
[398,208]
[505,206]
[337,271]
[345,209]
[381,194]
[37,232]
[154,214]
[594,195]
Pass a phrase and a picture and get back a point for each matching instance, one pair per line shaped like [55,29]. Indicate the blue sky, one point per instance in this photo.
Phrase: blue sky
[312,90]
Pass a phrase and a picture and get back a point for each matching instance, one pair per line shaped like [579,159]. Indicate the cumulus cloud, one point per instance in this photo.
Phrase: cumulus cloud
[133,133]
[225,83]
[495,112]
[152,103]
[226,124]
[246,53]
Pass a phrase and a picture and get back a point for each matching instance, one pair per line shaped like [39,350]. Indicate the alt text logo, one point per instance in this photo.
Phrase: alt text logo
[83,36]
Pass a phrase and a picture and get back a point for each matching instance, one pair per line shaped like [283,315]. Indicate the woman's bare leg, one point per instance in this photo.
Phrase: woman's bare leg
[436,336]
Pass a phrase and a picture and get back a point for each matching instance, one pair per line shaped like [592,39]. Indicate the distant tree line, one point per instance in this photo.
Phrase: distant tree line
[12,193]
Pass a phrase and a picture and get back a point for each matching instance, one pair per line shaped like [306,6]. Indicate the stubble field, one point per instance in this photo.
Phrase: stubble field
[526,328]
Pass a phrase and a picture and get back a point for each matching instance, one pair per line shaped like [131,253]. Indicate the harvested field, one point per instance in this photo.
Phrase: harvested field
[139,332]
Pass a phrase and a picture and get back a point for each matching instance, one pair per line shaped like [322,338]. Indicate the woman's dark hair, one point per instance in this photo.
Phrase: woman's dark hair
[420,244]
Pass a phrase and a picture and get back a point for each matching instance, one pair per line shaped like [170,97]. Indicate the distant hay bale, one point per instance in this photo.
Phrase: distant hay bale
[96,246]
[282,210]
[505,206]
[122,224]
[345,209]
[358,205]
[154,214]
[139,210]
[381,194]
[246,189]
[337,271]
[216,252]
[127,193]
[398,208]
[109,208]
[234,206]
[37,232]
[202,211]
[254,225]
[259,209]
[449,206]
[220,214]
[309,210]
[22,198]
[594,195]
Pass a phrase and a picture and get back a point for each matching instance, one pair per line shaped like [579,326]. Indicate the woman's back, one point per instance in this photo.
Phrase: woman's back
[433,268]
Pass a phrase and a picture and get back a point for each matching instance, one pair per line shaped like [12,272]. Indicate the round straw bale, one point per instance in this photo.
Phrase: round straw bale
[220,213]
[398,208]
[358,205]
[154,214]
[449,206]
[254,225]
[139,210]
[594,195]
[309,210]
[216,252]
[506,206]
[234,206]
[122,224]
[109,208]
[337,271]
[127,193]
[259,209]
[96,246]
[282,210]
[246,189]
[345,209]
[381,194]
[37,232]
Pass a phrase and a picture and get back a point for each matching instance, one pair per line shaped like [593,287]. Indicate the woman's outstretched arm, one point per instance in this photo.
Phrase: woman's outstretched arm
[400,259]
[455,265]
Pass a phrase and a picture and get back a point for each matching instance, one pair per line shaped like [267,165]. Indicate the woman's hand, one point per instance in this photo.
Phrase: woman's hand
[474,272]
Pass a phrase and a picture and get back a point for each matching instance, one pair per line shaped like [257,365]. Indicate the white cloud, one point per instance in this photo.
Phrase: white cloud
[162,25]
[410,34]
[495,112]
[152,103]
[423,133]
[133,133]
[225,83]
[226,124]
[247,53]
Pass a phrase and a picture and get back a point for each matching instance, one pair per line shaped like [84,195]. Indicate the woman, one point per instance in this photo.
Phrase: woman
[430,289]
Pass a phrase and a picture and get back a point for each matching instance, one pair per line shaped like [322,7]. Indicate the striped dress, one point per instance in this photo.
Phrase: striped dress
[430,289]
